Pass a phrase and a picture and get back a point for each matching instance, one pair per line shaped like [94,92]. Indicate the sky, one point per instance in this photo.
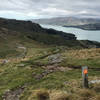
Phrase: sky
[35,9]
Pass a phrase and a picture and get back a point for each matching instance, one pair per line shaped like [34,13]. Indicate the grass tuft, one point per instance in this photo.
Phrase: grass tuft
[42,95]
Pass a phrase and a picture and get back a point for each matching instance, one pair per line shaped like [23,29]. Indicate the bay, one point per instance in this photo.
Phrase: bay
[79,33]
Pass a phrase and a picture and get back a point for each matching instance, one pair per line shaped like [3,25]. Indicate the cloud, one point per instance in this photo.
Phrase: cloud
[26,9]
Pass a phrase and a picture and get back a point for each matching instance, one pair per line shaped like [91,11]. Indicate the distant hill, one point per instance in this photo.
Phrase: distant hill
[83,23]
[67,21]
[95,26]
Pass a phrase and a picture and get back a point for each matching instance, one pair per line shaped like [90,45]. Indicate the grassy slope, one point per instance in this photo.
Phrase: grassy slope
[14,75]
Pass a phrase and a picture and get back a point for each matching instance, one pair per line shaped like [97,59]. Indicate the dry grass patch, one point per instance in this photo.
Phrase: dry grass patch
[96,87]
[61,95]
[97,97]
[86,94]
[41,94]
[83,53]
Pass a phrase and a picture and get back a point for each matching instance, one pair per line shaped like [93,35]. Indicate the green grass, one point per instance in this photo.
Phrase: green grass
[13,75]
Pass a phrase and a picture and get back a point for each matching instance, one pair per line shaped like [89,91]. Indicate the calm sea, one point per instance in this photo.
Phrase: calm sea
[80,34]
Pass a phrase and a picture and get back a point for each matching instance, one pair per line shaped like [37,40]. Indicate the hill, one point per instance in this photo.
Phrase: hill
[83,23]
[95,26]
[36,32]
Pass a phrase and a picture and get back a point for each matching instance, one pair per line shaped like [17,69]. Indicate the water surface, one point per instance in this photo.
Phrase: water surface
[80,34]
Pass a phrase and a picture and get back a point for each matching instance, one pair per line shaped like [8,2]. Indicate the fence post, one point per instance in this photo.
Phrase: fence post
[85,77]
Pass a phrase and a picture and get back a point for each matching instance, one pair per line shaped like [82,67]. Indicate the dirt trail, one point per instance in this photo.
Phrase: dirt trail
[24,51]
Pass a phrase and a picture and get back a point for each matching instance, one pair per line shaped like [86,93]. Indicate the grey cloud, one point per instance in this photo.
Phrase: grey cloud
[51,8]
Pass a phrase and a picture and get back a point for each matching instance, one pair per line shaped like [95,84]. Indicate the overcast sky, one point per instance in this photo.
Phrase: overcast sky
[32,9]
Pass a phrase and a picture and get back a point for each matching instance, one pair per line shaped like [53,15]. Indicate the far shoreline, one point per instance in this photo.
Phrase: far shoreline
[81,28]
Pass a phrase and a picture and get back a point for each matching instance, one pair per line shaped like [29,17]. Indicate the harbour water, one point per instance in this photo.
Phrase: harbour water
[80,34]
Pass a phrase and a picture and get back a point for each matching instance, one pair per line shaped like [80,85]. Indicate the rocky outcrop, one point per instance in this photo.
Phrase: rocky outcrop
[19,25]
[67,36]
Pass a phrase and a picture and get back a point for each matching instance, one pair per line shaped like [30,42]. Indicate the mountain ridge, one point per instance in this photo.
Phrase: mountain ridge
[83,23]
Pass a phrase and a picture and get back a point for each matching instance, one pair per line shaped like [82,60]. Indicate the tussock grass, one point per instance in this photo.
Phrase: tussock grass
[60,95]
[96,87]
[97,97]
[45,94]
[86,93]
[82,57]
[84,53]
[42,95]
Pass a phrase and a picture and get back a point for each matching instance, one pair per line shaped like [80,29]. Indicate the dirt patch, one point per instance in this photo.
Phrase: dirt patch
[50,69]
[13,94]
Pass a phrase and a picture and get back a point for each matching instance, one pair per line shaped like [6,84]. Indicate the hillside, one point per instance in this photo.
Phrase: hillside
[95,26]
[36,32]
[50,72]
[45,64]
[26,31]
[83,23]
[15,33]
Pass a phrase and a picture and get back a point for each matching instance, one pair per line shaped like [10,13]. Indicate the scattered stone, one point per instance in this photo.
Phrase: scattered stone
[94,81]
[56,58]
[43,74]
[66,82]
[33,74]
[13,95]
[50,69]
[5,61]
[63,69]
[38,77]
[21,65]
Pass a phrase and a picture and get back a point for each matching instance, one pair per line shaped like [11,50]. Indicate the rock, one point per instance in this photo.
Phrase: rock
[33,74]
[43,74]
[94,81]
[5,61]
[21,65]
[50,67]
[38,77]
[55,58]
